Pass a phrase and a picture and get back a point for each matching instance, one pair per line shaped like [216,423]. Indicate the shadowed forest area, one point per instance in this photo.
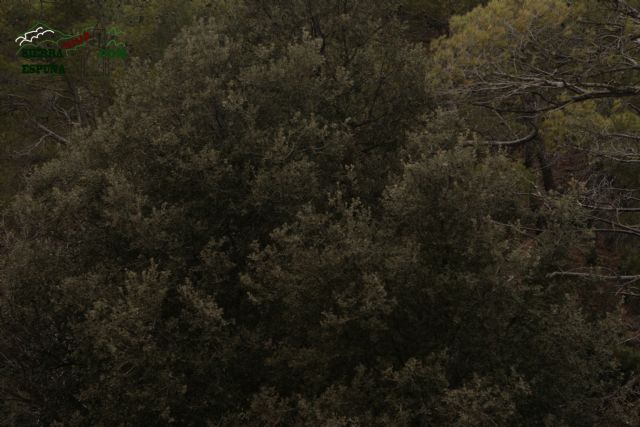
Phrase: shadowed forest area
[320,213]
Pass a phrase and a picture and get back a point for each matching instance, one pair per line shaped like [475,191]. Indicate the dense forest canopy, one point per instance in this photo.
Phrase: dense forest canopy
[330,213]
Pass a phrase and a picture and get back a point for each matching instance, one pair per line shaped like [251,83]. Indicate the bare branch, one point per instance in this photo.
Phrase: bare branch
[525,139]
[610,208]
[592,276]
[52,133]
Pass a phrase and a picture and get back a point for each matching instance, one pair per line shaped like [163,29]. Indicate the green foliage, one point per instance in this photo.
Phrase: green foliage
[61,104]
[511,66]
[285,231]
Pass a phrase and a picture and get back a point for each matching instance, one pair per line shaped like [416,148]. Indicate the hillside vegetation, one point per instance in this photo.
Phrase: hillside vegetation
[349,213]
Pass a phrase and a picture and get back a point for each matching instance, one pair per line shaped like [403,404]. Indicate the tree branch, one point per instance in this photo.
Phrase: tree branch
[530,136]
[51,133]
[592,276]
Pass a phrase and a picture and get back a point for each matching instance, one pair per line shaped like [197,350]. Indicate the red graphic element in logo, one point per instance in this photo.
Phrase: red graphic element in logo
[70,44]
